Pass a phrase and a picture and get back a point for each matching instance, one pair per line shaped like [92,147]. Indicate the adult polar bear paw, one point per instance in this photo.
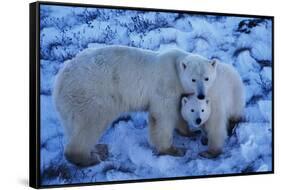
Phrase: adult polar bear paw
[82,159]
[210,154]
[179,152]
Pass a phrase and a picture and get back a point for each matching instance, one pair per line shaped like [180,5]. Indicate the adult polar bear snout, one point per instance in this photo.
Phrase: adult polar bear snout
[197,74]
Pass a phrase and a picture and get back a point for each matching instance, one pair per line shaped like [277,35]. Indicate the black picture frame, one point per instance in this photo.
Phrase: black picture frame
[34,92]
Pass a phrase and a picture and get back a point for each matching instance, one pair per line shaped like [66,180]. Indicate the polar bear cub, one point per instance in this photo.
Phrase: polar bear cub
[195,111]
[224,88]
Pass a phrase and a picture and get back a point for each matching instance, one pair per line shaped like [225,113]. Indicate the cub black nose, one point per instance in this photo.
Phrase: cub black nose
[198,121]
[201,97]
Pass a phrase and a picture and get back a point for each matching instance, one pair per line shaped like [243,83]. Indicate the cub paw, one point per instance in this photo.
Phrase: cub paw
[204,140]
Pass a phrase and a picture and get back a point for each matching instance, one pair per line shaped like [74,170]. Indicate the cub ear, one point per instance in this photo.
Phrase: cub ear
[184,100]
[213,63]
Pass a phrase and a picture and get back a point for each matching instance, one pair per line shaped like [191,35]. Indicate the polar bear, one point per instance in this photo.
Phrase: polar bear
[196,112]
[224,88]
[96,86]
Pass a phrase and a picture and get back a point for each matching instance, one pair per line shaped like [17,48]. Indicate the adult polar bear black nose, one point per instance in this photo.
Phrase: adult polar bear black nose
[201,97]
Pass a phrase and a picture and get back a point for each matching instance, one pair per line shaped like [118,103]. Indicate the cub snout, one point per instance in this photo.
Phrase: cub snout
[198,121]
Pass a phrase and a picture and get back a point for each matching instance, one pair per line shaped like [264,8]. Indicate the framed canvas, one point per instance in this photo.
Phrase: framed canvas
[126,94]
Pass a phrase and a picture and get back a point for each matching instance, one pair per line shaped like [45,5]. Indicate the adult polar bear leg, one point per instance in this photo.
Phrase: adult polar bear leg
[238,105]
[239,101]
[161,135]
[81,152]
[162,122]
[89,124]
[216,132]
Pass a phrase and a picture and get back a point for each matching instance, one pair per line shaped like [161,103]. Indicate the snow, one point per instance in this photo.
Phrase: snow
[240,41]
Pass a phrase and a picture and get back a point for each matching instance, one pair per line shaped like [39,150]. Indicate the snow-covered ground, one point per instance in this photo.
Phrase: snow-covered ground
[243,42]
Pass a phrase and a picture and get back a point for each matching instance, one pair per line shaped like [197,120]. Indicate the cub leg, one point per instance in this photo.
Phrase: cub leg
[204,138]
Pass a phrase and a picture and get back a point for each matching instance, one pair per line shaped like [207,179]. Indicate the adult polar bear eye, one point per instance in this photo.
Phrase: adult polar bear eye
[202,110]
[192,110]
[207,78]
[193,80]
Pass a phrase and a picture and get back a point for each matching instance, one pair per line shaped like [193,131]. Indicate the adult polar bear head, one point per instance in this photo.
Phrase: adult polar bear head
[197,74]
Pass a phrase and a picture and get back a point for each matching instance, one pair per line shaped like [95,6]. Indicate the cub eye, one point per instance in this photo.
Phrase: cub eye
[193,80]
[202,110]
[206,79]
[192,110]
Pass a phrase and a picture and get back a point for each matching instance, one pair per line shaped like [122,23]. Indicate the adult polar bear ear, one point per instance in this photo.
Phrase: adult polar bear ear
[182,62]
[183,65]
[213,62]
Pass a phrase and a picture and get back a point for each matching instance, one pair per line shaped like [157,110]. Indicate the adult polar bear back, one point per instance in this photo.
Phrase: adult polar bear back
[98,85]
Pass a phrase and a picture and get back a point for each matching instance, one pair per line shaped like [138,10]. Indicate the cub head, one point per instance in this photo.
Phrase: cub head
[197,74]
[195,111]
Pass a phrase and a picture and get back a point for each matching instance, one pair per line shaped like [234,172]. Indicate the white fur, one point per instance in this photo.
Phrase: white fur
[98,85]
[225,90]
